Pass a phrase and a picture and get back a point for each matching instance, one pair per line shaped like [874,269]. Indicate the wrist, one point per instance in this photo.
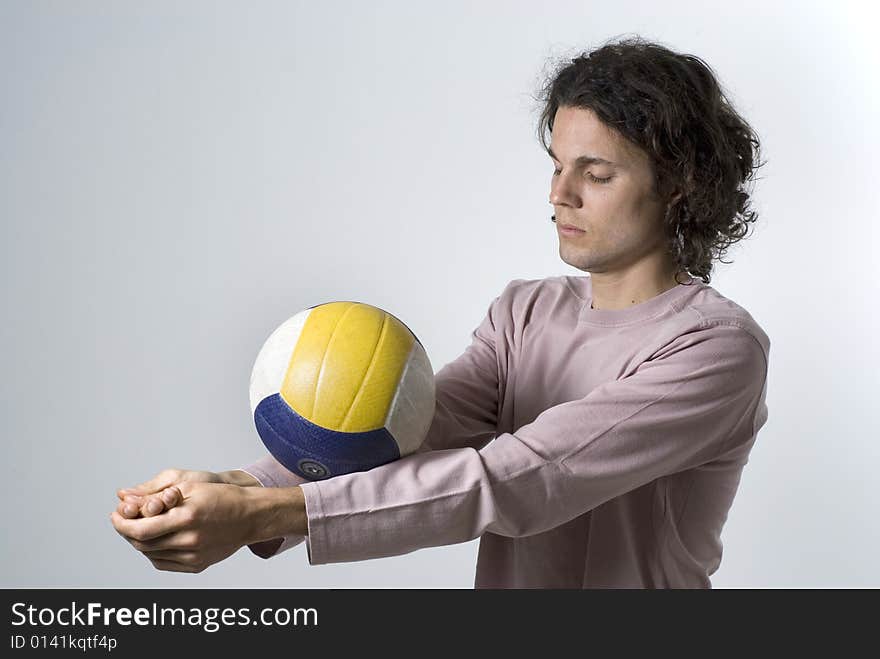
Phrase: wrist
[239,477]
[277,512]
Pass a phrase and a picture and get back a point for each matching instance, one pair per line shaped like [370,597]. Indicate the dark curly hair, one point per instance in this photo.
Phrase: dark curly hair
[672,107]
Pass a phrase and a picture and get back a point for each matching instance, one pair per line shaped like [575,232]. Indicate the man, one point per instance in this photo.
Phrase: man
[594,433]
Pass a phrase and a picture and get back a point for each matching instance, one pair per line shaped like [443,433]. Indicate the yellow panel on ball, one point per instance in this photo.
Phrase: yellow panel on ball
[300,383]
[349,359]
[369,410]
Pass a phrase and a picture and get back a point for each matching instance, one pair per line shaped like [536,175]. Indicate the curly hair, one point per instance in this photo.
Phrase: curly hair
[672,107]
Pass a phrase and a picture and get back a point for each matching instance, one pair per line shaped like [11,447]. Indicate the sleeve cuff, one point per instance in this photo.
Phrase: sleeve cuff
[316,540]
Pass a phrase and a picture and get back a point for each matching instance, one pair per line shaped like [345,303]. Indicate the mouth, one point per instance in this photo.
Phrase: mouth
[568,229]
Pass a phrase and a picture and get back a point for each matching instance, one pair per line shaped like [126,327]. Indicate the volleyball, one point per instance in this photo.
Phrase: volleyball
[341,387]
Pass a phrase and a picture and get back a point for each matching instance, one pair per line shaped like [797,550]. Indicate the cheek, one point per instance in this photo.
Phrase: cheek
[645,205]
[616,233]
[608,212]
[611,201]
[630,210]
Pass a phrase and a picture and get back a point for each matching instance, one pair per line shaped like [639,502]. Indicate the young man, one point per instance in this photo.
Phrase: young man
[594,433]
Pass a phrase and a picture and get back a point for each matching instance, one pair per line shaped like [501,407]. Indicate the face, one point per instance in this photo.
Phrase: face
[614,204]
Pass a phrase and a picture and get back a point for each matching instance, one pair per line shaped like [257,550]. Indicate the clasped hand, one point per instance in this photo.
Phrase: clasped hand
[185,521]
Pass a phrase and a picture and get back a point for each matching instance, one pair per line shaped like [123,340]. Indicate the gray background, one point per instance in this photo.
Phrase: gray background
[177,178]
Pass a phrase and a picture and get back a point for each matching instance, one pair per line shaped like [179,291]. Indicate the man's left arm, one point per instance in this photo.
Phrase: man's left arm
[684,407]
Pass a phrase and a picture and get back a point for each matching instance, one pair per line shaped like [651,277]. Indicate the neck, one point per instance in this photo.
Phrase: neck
[622,290]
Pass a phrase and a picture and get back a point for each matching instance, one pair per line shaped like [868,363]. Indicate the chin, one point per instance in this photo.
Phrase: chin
[579,261]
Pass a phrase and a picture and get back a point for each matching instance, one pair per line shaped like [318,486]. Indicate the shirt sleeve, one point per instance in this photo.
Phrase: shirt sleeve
[465,414]
[685,406]
[468,389]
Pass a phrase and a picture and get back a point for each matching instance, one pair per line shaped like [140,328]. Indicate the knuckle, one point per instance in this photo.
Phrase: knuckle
[191,541]
[171,473]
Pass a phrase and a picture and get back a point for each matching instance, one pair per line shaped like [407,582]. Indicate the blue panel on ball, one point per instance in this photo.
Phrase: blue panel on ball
[314,452]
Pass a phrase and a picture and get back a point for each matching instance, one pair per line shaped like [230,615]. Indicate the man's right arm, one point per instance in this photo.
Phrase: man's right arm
[468,391]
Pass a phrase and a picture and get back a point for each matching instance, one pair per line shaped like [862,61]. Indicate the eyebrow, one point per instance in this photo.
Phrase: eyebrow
[583,160]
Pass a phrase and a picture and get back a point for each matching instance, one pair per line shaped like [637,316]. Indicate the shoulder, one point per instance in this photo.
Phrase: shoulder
[707,309]
[543,284]
[519,292]
[549,299]
[709,331]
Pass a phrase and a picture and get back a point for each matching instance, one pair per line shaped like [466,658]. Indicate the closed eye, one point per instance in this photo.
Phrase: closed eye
[594,179]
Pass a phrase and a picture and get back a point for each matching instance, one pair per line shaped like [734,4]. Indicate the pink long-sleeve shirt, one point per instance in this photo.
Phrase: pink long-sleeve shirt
[586,448]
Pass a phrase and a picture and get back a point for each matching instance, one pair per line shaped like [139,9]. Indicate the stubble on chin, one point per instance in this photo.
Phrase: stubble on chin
[576,258]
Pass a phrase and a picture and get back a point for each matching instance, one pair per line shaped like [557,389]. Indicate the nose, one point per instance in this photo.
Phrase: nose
[561,193]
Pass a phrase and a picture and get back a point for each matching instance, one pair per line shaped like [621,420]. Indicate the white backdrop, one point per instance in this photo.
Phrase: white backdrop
[177,178]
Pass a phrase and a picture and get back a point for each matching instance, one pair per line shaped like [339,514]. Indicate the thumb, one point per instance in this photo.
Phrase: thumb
[164,479]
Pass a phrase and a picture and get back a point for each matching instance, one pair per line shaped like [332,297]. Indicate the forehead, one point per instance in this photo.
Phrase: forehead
[579,132]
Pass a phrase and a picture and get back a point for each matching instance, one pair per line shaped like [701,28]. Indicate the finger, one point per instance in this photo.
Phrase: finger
[159,482]
[126,492]
[144,529]
[172,566]
[129,510]
[149,487]
[130,506]
[156,504]
[152,506]
[179,541]
[171,497]
[175,555]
